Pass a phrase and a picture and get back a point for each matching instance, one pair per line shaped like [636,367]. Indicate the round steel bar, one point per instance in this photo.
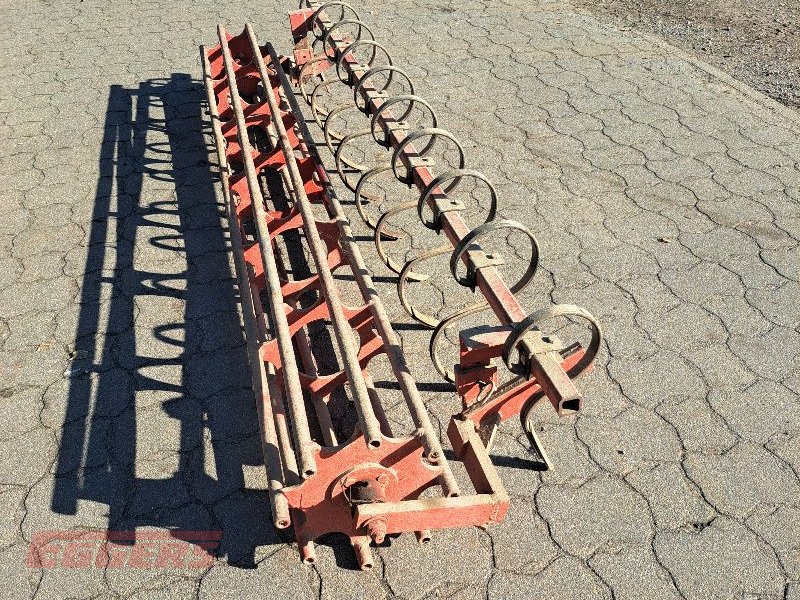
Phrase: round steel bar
[342,330]
[269,439]
[368,289]
[305,446]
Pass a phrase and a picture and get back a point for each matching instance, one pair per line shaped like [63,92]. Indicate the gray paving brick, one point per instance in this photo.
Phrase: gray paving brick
[721,559]
[664,199]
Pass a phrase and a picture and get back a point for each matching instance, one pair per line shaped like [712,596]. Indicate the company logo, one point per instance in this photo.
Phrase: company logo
[143,549]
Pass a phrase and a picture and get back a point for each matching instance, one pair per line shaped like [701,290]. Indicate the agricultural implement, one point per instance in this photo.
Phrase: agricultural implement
[333,465]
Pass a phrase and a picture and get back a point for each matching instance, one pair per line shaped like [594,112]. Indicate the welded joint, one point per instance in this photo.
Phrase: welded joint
[441,206]
[413,163]
[477,260]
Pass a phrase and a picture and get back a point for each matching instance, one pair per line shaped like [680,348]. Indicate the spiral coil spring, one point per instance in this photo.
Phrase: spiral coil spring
[324,29]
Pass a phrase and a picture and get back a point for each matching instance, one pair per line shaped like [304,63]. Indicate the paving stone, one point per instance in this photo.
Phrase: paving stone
[630,440]
[176,589]
[521,542]
[722,560]
[11,513]
[19,411]
[601,514]
[664,200]
[31,455]
[340,577]
[779,529]
[741,479]
[640,383]
[633,573]
[439,564]
[760,412]
[563,573]
[279,574]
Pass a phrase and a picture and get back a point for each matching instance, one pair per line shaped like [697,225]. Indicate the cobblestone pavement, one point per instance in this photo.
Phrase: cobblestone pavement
[665,199]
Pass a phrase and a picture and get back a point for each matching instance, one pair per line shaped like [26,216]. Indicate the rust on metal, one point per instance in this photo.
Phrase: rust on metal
[354,475]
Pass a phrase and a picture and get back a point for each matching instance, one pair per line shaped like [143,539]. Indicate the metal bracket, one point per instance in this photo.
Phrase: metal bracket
[416,162]
[376,94]
[477,260]
[444,205]
[397,126]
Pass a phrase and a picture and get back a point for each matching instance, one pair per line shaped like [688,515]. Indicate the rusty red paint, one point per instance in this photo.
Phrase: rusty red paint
[397,467]
[369,485]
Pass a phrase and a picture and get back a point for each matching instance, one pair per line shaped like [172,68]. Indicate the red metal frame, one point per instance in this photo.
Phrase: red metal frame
[370,484]
[545,368]
[399,468]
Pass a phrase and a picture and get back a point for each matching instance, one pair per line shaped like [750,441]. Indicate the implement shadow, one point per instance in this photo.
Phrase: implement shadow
[160,421]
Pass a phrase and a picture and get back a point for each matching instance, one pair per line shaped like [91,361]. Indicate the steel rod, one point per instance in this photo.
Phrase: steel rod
[369,292]
[304,445]
[302,340]
[269,441]
[342,330]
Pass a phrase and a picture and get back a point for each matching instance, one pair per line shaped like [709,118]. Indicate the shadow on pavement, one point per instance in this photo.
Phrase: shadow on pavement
[160,424]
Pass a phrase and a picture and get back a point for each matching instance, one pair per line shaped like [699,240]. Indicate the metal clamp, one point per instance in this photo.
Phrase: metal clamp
[349,49]
[442,206]
[433,133]
[391,69]
[388,103]
[315,17]
[531,323]
[481,231]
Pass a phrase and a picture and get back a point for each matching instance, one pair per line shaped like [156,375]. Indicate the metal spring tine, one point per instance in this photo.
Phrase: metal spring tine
[330,30]
[340,160]
[433,132]
[482,231]
[379,235]
[358,90]
[317,112]
[405,272]
[315,17]
[536,447]
[440,206]
[330,134]
[398,121]
[348,51]
[301,77]
[445,204]
[360,196]
[439,330]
